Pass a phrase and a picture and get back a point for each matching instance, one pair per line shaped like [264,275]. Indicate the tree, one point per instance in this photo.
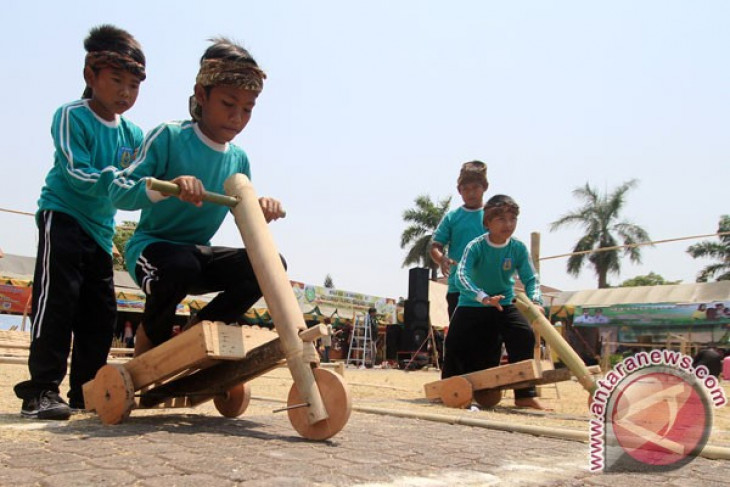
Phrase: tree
[328,282]
[424,219]
[599,216]
[122,234]
[714,250]
[650,279]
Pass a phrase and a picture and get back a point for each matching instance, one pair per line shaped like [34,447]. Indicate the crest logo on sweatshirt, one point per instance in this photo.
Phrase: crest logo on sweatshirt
[125,156]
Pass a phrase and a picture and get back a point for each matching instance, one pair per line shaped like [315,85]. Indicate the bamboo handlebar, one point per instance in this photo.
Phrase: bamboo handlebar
[556,341]
[167,187]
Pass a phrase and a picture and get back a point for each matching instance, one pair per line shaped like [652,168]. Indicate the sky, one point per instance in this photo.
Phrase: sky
[369,104]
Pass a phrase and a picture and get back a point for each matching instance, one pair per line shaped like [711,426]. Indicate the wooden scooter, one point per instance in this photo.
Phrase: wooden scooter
[215,361]
[485,386]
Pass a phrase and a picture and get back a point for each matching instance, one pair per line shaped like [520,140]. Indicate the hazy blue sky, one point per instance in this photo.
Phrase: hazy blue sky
[369,104]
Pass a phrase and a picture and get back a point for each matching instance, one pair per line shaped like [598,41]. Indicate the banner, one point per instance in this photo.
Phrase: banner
[14,298]
[346,303]
[659,314]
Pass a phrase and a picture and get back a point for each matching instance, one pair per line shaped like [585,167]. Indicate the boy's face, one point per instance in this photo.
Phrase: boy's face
[226,111]
[114,91]
[472,194]
[501,227]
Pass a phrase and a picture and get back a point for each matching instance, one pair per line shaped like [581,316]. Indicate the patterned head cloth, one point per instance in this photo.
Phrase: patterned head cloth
[473,172]
[112,59]
[214,72]
[499,205]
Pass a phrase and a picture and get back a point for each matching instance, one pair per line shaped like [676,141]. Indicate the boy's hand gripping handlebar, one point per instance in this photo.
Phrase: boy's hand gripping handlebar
[167,187]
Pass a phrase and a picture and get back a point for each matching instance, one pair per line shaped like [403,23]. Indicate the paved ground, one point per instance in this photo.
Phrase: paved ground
[172,449]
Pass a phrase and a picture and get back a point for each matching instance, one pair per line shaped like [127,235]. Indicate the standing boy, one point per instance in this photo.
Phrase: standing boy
[460,226]
[486,279]
[73,283]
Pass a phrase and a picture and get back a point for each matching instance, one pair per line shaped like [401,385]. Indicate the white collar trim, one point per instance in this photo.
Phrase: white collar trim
[496,246]
[109,123]
[209,142]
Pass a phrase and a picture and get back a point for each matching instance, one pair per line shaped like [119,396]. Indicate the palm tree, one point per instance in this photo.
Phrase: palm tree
[715,250]
[599,216]
[424,219]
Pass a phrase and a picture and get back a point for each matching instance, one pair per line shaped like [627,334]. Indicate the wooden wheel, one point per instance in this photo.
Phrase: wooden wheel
[234,402]
[337,402]
[113,394]
[488,398]
[456,392]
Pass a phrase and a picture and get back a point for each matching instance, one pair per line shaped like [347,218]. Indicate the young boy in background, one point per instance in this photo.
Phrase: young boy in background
[460,226]
[485,313]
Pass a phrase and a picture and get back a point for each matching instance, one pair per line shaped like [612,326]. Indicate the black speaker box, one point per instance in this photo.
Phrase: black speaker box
[415,313]
[393,335]
[418,283]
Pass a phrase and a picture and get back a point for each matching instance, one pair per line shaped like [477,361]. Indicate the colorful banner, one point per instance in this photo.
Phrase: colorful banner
[661,314]
[14,298]
[346,303]
[15,294]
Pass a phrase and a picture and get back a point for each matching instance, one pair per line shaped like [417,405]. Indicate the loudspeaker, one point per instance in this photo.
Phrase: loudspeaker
[416,313]
[416,320]
[418,283]
[392,341]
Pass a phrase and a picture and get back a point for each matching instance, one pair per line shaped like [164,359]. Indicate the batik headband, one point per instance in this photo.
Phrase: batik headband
[244,75]
[105,59]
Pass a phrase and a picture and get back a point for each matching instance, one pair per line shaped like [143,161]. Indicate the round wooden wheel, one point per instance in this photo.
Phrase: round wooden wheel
[113,394]
[234,402]
[488,398]
[456,392]
[337,402]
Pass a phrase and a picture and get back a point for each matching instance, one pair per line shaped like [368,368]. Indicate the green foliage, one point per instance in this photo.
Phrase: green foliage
[122,234]
[650,279]
[719,251]
[599,216]
[424,220]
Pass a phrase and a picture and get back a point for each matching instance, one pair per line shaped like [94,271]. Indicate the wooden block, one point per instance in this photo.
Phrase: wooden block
[556,375]
[222,341]
[503,375]
[217,379]
[188,349]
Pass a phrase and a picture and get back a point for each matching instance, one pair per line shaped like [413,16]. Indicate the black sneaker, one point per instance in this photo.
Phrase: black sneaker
[48,405]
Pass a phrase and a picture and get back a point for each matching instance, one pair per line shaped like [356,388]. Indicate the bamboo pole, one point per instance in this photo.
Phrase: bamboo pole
[558,344]
[277,291]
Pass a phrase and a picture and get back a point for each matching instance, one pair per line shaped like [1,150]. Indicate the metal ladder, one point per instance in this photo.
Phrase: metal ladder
[360,352]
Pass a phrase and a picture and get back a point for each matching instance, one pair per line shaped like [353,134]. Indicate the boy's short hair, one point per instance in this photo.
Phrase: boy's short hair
[108,46]
[226,63]
[473,172]
[500,204]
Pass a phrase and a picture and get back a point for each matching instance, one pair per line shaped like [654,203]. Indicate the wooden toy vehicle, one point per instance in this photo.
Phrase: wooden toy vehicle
[485,386]
[215,361]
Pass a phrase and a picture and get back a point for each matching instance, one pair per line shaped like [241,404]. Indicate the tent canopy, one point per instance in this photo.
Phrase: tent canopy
[693,293]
